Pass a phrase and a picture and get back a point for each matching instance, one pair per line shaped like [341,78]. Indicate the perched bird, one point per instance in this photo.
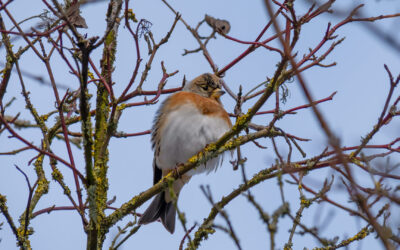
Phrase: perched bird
[185,123]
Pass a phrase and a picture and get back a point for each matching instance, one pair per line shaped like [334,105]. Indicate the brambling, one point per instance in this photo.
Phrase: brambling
[185,123]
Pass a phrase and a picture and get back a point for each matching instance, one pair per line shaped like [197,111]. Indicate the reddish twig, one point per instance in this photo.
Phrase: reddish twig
[258,44]
[28,205]
[138,58]
[291,111]
[185,236]
[143,92]
[60,104]
[51,155]
[106,85]
[325,198]
[160,87]
[250,49]
[3,5]
[120,134]
[34,34]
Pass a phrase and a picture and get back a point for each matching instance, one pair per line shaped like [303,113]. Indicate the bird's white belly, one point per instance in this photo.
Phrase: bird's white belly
[185,133]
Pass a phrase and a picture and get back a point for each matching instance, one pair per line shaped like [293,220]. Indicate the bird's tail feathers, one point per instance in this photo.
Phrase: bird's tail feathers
[159,208]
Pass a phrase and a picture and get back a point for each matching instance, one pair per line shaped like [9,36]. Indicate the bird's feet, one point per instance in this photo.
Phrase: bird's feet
[176,170]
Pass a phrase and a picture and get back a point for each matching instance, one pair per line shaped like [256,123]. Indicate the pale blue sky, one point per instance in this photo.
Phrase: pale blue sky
[359,76]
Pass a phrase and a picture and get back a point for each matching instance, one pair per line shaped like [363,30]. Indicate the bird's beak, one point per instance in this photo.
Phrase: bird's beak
[217,93]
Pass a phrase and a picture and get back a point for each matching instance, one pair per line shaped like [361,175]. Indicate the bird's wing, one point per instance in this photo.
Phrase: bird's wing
[158,123]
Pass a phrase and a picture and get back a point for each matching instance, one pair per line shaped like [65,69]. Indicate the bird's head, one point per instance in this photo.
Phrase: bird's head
[207,85]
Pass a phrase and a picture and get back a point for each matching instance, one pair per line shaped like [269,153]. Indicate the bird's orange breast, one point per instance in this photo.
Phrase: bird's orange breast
[207,106]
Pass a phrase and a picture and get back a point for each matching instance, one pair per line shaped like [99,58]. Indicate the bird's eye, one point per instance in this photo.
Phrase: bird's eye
[205,87]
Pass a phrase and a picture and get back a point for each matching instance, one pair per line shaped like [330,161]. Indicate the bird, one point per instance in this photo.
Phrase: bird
[185,123]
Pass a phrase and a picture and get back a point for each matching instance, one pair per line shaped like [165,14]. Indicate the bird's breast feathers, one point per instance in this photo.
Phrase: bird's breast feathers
[186,123]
